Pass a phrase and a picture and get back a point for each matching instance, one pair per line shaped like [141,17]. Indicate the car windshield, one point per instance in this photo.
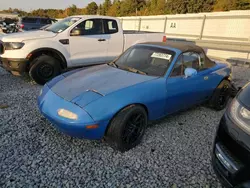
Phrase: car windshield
[62,25]
[146,60]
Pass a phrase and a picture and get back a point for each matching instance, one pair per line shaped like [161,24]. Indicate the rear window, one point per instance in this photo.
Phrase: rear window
[29,20]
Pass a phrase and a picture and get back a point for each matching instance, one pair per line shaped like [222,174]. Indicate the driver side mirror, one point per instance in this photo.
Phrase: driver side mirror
[190,72]
[76,32]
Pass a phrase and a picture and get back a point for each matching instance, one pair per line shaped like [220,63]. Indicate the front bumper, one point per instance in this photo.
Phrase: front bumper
[12,64]
[49,103]
[232,161]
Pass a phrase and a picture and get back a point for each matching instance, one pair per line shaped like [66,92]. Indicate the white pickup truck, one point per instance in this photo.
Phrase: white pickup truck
[72,42]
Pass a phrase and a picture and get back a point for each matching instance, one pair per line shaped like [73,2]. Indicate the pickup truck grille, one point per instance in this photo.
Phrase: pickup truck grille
[1,48]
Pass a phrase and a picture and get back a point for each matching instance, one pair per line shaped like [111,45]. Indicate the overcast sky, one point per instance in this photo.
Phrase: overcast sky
[28,5]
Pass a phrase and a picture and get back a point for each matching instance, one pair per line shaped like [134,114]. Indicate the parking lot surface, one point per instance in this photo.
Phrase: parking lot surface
[175,151]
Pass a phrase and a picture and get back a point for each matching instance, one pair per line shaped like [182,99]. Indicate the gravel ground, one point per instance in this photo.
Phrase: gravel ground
[175,152]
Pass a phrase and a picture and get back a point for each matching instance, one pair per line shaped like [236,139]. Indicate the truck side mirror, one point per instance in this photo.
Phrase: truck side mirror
[75,32]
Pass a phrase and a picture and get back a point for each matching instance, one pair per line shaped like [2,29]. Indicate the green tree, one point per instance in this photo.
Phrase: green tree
[131,7]
[156,7]
[100,10]
[114,10]
[177,6]
[105,7]
[225,5]
[140,7]
[243,5]
[72,10]
[91,8]
[196,6]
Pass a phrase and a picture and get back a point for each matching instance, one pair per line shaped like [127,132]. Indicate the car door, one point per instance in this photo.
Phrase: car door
[115,38]
[90,46]
[184,92]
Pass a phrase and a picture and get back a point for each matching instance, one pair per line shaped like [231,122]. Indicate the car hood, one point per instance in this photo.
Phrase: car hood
[27,35]
[94,82]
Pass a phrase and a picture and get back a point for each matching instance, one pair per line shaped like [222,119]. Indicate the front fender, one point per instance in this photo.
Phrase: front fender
[48,44]
[151,94]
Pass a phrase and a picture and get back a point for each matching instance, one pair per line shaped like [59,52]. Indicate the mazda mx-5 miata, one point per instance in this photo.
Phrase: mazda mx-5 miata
[148,81]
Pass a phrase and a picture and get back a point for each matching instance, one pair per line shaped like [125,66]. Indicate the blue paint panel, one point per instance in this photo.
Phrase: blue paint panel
[86,98]
[50,103]
[54,81]
[151,94]
[66,74]
[103,78]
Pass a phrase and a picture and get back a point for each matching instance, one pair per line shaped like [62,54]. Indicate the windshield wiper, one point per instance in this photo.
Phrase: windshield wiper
[113,64]
[49,30]
[135,70]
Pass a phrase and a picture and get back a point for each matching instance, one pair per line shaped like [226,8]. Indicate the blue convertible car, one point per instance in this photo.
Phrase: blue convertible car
[115,101]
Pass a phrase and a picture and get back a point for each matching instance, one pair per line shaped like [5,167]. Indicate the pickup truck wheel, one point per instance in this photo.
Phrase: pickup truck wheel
[44,68]
[221,95]
[127,128]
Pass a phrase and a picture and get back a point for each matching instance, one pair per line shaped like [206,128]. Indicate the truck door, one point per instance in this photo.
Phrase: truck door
[91,45]
[115,38]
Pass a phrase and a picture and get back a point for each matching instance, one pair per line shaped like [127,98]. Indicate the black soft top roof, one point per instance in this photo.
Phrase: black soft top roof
[182,46]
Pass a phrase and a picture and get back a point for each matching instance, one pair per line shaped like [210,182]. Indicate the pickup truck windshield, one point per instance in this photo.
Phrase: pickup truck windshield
[62,25]
[146,60]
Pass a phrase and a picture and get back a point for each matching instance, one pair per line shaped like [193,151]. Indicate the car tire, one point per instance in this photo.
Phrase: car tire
[221,95]
[44,68]
[127,128]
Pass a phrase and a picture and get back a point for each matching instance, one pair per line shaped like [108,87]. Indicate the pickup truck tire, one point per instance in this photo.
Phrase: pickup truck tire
[221,95]
[127,128]
[44,68]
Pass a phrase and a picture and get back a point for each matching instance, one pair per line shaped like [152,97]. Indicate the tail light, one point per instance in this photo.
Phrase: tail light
[164,39]
[21,26]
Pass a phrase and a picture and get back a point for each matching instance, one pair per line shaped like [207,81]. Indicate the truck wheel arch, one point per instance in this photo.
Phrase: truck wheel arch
[48,51]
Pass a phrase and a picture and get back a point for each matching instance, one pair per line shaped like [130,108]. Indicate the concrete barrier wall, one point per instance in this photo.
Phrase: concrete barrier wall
[231,26]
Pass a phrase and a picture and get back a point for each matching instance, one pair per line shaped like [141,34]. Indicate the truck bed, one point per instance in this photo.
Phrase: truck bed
[132,37]
[137,32]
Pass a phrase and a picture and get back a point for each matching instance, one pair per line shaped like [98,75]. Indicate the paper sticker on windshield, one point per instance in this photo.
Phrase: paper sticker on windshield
[161,56]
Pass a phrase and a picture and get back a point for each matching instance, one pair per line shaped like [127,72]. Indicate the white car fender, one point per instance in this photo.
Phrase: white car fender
[49,44]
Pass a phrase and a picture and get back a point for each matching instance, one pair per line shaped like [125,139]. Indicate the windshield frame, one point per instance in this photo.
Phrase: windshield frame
[158,48]
[62,21]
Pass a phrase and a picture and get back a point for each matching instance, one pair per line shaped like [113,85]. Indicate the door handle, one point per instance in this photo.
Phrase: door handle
[101,40]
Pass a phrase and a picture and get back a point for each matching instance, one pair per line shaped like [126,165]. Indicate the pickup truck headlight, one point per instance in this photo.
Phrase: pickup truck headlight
[240,115]
[13,45]
[67,114]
